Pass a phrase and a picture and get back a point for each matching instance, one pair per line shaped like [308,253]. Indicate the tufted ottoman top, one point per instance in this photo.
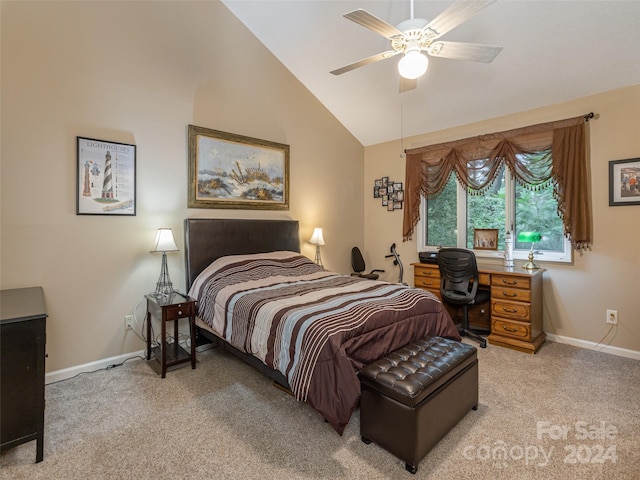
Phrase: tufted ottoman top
[413,372]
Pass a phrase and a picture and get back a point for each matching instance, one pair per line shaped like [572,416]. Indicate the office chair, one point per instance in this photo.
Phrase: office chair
[358,265]
[459,285]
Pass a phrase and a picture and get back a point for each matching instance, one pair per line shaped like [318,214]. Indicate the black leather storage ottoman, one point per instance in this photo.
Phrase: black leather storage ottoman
[412,397]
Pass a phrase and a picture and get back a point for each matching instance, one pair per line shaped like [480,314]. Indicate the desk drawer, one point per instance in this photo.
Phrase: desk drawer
[432,283]
[179,310]
[519,330]
[514,310]
[512,281]
[508,293]
[427,272]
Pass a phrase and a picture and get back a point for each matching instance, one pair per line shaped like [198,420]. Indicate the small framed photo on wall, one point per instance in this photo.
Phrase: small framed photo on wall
[390,192]
[624,182]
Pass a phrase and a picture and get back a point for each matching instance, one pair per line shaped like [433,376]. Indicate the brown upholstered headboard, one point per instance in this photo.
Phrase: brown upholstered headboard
[207,239]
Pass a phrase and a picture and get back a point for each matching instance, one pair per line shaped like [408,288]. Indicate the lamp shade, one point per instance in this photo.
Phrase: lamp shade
[316,238]
[413,64]
[529,237]
[164,241]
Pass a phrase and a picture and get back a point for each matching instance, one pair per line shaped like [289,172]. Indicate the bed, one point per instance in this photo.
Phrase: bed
[307,328]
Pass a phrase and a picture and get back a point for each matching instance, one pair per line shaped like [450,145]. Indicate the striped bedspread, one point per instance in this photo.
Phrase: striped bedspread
[314,326]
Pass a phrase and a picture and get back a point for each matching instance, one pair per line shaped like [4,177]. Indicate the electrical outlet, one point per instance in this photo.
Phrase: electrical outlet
[128,322]
[612,317]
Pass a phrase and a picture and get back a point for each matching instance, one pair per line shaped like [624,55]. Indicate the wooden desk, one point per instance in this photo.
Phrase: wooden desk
[515,310]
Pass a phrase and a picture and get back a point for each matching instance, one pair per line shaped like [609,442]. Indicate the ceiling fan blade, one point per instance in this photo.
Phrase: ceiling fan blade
[367,20]
[464,51]
[407,84]
[455,15]
[364,61]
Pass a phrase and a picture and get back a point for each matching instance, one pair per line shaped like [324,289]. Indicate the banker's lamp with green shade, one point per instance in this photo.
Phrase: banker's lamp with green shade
[532,237]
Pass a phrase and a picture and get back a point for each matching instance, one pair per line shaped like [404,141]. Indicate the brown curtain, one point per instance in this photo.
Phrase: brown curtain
[476,161]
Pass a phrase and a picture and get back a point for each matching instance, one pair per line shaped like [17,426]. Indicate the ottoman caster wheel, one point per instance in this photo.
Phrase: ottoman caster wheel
[411,468]
[365,440]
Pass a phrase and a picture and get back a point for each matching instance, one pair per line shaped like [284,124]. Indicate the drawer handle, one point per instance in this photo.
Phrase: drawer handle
[179,312]
[507,294]
[508,310]
[512,330]
[509,282]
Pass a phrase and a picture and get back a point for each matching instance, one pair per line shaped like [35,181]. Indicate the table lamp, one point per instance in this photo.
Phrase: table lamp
[317,240]
[532,237]
[164,243]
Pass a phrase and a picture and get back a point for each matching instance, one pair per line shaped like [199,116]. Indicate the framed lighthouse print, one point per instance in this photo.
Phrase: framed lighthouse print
[106,182]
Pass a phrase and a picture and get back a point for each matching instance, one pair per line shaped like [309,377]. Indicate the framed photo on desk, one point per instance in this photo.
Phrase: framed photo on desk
[485,238]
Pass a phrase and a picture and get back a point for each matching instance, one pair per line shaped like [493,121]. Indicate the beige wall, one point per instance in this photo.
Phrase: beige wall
[576,296]
[139,73]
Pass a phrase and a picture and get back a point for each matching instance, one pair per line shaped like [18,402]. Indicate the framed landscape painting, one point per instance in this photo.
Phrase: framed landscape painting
[227,170]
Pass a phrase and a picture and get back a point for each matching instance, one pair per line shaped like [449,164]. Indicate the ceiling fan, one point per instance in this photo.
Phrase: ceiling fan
[414,36]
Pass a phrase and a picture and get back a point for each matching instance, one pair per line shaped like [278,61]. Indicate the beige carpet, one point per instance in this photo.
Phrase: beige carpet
[562,413]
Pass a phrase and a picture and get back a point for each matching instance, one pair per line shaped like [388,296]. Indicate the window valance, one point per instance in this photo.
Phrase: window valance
[477,160]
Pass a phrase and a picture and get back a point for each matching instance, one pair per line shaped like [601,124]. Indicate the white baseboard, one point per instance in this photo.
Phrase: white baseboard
[576,342]
[70,372]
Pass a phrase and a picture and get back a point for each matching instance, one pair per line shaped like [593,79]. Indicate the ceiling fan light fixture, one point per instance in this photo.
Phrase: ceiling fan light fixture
[413,64]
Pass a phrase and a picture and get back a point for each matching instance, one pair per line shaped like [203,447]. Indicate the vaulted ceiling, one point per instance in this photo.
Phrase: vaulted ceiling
[554,51]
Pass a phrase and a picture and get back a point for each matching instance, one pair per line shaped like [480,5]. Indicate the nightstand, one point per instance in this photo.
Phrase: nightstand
[170,308]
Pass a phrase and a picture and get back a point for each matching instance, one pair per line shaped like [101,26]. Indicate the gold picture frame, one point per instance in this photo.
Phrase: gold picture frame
[227,170]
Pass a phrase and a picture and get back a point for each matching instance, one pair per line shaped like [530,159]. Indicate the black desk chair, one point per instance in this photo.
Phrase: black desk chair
[358,265]
[459,285]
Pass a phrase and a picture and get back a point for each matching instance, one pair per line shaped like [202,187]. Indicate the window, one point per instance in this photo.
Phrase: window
[450,218]
[514,177]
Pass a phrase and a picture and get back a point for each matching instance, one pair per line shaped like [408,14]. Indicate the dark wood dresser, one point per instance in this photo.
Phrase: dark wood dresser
[23,315]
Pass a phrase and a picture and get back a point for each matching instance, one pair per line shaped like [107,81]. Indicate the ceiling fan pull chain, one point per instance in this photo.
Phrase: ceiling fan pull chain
[401,127]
